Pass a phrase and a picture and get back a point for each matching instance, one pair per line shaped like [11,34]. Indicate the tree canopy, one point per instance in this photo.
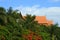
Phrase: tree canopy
[13,26]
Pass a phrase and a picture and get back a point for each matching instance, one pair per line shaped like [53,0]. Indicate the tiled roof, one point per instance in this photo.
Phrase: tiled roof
[42,19]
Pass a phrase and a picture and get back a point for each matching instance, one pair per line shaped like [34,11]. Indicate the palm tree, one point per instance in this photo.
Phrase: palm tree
[2,10]
[52,31]
[29,22]
[9,11]
[14,27]
[3,18]
[4,33]
[57,33]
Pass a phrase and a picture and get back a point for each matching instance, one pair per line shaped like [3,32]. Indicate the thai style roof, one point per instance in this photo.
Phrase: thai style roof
[43,20]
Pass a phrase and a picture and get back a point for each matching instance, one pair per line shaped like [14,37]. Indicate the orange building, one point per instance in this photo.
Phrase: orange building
[43,20]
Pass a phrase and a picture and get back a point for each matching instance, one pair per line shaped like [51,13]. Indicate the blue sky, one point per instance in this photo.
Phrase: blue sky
[42,3]
[48,8]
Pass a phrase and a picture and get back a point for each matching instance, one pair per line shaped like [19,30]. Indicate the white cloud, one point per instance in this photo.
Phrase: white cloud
[52,13]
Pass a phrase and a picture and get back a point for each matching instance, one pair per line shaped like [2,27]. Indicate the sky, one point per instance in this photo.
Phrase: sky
[48,8]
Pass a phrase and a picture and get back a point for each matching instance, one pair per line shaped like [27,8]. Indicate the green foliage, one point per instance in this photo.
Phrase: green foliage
[13,26]
[2,11]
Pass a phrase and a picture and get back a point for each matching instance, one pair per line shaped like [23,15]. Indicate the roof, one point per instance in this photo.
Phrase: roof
[42,19]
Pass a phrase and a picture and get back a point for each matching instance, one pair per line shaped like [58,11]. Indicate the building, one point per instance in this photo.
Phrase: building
[43,20]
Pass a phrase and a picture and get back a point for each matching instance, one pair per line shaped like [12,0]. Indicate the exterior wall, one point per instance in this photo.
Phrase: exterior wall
[50,22]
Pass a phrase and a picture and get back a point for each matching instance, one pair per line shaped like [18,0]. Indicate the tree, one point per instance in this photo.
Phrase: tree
[9,11]
[53,32]
[13,26]
[29,21]
[2,11]
[3,18]
[4,33]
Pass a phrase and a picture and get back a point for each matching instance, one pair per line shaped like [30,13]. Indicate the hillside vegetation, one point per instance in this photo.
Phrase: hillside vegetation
[13,26]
